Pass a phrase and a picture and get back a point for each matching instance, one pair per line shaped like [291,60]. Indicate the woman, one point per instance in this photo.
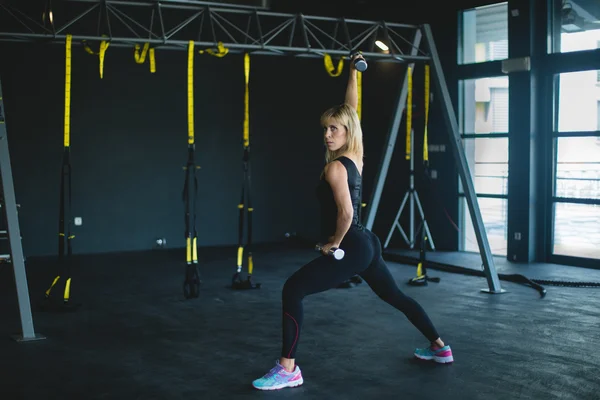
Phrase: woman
[339,194]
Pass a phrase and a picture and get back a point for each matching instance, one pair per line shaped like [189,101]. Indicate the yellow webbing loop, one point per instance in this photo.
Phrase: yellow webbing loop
[67,293]
[425,145]
[152,61]
[250,265]
[221,51]
[359,89]
[240,255]
[51,286]
[191,92]
[103,47]
[188,248]
[141,58]
[330,68]
[409,112]
[247,101]
[195,251]
[67,133]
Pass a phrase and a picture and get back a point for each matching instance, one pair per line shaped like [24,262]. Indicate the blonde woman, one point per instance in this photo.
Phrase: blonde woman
[339,194]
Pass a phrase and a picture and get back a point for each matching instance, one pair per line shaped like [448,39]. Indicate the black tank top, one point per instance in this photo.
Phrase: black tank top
[327,202]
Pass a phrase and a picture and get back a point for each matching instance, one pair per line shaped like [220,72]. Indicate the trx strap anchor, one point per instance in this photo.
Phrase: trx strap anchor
[220,52]
[141,58]
[191,284]
[65,237]
[237,283]
[331,70]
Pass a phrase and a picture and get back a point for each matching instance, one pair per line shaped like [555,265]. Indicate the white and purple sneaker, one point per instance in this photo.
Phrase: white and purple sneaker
[279,378]
[441,355]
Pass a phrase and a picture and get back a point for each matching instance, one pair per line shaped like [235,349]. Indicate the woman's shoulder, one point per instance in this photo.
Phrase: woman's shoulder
[358,162]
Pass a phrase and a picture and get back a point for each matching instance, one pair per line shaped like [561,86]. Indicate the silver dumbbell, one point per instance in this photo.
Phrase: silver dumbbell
[338,254]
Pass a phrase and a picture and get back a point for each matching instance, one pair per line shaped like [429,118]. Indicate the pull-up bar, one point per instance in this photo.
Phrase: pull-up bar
[172,24]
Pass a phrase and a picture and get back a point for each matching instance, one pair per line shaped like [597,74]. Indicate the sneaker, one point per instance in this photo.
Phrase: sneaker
[279,378]
[442,355]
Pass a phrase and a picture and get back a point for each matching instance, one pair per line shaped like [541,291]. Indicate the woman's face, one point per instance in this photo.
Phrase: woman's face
[335,135]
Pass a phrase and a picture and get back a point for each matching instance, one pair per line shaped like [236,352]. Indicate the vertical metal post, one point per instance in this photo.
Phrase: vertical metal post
[412,188]
[463,168]
[391,140]
[14,235]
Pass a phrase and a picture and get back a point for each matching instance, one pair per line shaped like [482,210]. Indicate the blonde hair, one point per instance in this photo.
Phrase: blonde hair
[346,115]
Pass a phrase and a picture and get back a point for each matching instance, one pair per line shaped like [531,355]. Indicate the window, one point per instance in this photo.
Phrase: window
[576,230]
[484,34]
[483,112]
[578,97]
[484,105]
[493,213]
[575,25]
[578,168]
[576,195]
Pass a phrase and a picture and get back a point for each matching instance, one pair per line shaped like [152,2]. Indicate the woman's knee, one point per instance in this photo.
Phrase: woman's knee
[292,289]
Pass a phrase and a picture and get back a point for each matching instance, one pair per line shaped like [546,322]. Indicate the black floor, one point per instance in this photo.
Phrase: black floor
[136,337]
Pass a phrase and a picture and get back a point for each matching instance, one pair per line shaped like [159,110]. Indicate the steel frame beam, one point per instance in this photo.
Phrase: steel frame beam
[172,24]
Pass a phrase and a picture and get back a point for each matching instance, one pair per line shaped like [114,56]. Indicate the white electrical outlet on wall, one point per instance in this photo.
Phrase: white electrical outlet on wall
[78,221]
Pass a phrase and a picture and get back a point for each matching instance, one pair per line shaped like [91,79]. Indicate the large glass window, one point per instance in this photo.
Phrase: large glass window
[484,130]
[484,105]
[578,101]
[578,167]
[484,34]
[575,25]
[576,195]
[576,230]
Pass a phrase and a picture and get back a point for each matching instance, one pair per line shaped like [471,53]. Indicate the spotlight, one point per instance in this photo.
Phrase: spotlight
[47,15]
[381,45]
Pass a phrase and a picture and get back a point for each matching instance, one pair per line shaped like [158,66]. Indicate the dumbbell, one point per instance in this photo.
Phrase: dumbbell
[359,63]
[338,254]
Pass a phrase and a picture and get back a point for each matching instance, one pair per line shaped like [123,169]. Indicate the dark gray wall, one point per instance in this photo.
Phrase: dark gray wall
[129,143]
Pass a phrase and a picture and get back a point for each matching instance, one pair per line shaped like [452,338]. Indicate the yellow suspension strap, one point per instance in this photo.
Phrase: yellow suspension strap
[140,58]
[331,70]
[191,285]
[65,249]
[409,111]
[425,140]
[359,90]
[237,282]
[101,53]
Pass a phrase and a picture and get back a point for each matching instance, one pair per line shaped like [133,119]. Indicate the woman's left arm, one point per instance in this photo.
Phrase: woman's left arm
[337,177]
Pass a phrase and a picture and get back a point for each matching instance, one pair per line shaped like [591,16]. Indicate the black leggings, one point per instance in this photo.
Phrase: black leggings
[363,257]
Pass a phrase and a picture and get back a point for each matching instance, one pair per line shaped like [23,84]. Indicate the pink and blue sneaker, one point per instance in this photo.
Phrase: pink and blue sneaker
[441,355]
[279,378]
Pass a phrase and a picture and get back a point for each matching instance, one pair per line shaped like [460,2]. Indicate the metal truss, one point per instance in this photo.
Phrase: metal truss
[172,24]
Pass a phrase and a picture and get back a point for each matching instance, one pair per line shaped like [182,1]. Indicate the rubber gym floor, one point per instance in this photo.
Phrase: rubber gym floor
[135,336]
